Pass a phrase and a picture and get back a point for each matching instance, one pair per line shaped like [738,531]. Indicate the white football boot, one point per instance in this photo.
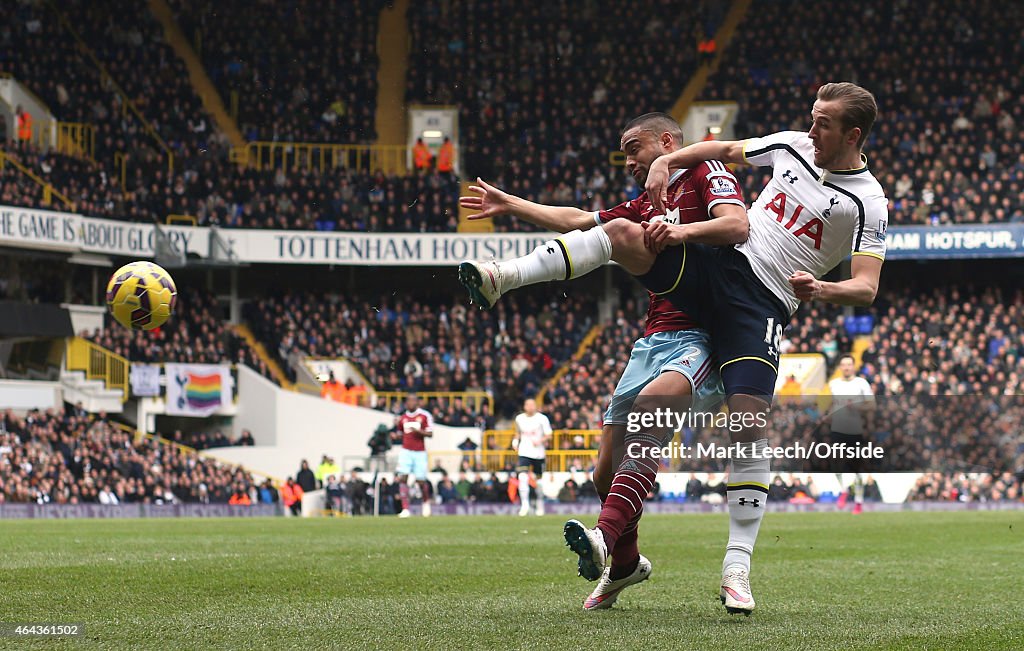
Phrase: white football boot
[607,591]
[589,545]
[735,593]
[482,280]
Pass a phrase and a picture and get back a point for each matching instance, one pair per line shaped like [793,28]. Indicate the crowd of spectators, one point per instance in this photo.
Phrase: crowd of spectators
[954,340]
[947,147]
[90,189]
[70,457]
[406,344]
[197,333]
[542,100]
[218,193]
[968,487]
[303,72]
[39,49]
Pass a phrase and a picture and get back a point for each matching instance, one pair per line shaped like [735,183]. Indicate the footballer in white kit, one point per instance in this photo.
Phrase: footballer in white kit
[532,435]
[821,205]
[852,399]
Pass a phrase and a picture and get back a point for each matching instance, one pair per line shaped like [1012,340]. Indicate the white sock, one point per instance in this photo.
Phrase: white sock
[524,490]
[585,251]
[747,494]
[858,489]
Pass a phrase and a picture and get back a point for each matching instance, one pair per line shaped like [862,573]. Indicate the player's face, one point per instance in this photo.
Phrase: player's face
[832,143]
[641,146]
[846,368]
[411,403]
[530,407]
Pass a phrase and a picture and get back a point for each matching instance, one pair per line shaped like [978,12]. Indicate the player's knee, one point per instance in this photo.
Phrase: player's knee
[628,247]
[620,231]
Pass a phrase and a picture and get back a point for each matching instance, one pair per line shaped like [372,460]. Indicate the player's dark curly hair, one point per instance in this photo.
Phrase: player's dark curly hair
[657,122]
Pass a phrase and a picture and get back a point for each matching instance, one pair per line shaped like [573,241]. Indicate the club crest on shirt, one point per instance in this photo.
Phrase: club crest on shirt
[670,217]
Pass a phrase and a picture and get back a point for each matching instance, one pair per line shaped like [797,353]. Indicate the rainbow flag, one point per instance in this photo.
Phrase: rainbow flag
[203,391]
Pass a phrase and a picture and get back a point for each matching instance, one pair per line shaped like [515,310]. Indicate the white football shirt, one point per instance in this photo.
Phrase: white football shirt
[809,219]
[846,418]
[531,431]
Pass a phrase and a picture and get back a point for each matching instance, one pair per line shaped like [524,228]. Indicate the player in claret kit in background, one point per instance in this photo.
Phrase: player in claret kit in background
[533,434]
[852,399]
[414,426]
[673,358]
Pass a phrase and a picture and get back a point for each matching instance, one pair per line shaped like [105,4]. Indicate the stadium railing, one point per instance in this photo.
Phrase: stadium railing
[98,363]
[502,460]
[472,400]
[320,156]
[49,192]
[501,439]
[76,139]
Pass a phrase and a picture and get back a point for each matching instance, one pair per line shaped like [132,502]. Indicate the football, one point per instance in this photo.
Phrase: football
[141,295]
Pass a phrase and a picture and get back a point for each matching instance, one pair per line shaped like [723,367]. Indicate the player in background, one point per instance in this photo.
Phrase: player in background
[414,426]
[852,400]
[821,204]
[673,357]
[532,437]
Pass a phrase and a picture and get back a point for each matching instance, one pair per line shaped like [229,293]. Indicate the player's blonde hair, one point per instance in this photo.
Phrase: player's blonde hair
[859,107]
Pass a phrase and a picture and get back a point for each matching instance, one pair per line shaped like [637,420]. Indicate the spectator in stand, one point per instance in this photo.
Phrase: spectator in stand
[422,158]
[240,497]
[447,491]
[291,496]
[334,495]
[446,158]
[268,494]
[305,478]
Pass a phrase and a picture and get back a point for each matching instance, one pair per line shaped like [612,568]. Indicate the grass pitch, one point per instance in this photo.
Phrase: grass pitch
[822,581]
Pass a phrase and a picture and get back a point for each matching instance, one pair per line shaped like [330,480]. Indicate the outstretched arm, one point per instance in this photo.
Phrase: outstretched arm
[727,151]
[859,290]
[492,202]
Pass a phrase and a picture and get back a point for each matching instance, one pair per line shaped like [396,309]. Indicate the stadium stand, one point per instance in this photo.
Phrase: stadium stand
[950,340]
[963,487]
[196,335]
[129,42]
[433,344]
[90,189]
[216,192]
[948,145]
[520,91]
[68,458]
[943,173]
[309,77]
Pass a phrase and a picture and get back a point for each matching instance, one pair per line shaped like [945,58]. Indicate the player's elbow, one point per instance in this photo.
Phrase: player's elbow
[867,296]
[739,229]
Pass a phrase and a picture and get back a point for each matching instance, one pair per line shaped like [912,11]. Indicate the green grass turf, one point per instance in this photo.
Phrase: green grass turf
[822,581]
